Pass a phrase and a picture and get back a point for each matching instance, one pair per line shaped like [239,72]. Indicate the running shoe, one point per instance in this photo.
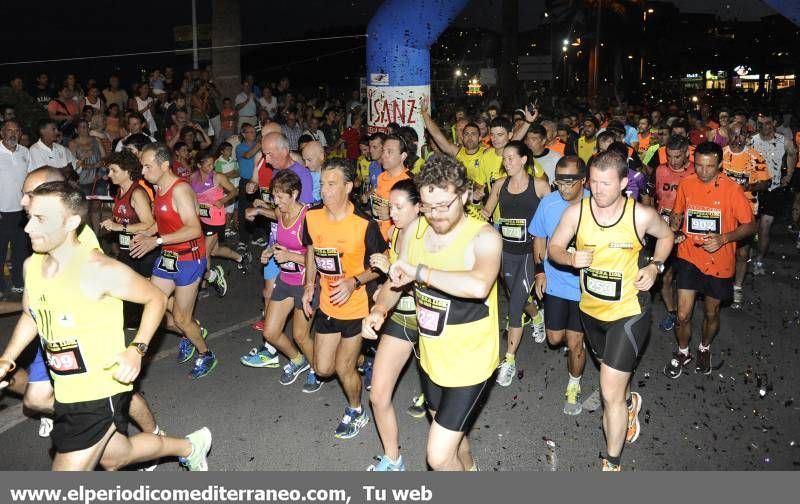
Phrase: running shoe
[291,371]
[417,408]
[758,268]
[260,358]
[386,464]
[45,426]
[738,296]
[259,325]
[539,334]
[203,364]
[634,426]
[351,423]
[219,283]
[703,363]
[669,322]
[572,406]
[674,367]
[17,290]
[201,445]
[312,384]
[368,365]
[230,232]
[506,374]
[247,258]
[609,467]
[186,348]
[259,242]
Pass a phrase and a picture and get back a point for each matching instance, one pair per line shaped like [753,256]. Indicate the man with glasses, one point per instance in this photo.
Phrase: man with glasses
[774,148]
[745,166]
[561,285]
[454,265]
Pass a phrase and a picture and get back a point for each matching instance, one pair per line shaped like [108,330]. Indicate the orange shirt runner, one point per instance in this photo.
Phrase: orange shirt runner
[380,198]
[746,167]
[716,207]
[341,250]
[667,181]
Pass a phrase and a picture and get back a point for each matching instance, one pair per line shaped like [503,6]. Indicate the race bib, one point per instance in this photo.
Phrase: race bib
[168,262]
[328,261]
[514,230]
[265,195]
[124,241]
[205,210]
[665,214]
[602,284]
[64,357]
[703,221]
[406,305]
[738,177]
[379,206]
[432,313]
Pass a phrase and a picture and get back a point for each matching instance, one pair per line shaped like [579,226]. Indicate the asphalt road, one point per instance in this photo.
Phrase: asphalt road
[744,416]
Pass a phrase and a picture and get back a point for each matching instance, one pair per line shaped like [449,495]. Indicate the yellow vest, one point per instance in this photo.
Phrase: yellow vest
[459,340]
[607,291]
[586,148]
[79,335]
[472,163]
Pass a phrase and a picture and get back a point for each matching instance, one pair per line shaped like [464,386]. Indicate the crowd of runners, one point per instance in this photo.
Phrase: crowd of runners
[399,248]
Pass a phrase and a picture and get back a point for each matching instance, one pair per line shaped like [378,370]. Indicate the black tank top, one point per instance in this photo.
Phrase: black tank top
[516,213]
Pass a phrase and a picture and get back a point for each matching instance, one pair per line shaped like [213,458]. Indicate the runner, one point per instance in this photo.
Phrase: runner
[211,188]
[609,232]
[518,195]
[780,153]
[182,262]
[668,176]
[395,152]
[399,333]
[91,368]
[288,292]
[560,284]
[713,213]
[454,265]
[340,240]
[745,166]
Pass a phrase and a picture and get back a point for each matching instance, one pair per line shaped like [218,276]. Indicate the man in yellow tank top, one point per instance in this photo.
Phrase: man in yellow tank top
[456,308]
[609,230]
[73,300]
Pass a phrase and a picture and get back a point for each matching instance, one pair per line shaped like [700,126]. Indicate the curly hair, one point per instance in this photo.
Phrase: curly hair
[127,161]
[442,171]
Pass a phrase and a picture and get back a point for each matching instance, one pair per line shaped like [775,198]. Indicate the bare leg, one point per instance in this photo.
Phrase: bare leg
[390,358]
[346,356]
[613,389]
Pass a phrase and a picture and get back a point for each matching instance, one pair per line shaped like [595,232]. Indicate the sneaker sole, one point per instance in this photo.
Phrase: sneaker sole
[359,425]
[505,384]
[294,377]
[213,366]
[189,357]
[416,414]
[268,365]
[307,391]
[636,418]
[573,409]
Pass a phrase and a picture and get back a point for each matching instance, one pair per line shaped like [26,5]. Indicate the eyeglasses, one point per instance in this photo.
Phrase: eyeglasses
[442,207]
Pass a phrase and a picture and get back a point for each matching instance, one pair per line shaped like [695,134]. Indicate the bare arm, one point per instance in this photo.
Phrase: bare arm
[542,186]
[562,236]
[539,249]
[444,144]
[24,333]
[141,205]
[494,197]
[230,189]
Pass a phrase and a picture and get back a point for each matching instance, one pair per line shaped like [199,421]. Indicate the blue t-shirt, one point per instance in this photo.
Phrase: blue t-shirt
[315,177]
[306,182]
[631,134]
[562,281]
[246,166]
[375,169]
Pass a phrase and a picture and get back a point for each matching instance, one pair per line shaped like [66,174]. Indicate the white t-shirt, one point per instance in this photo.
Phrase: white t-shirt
[270,106]
[148,115]
[14,167]
[548,163]
[56,156]
[319,136]
[249,110]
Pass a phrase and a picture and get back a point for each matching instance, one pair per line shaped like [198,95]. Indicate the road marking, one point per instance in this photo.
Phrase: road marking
[13,415]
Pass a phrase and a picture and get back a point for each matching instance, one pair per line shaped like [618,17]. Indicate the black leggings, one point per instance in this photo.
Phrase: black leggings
[619,343]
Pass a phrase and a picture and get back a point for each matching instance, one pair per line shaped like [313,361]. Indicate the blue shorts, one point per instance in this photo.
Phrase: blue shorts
[37,371]
[271,270]
[186,272]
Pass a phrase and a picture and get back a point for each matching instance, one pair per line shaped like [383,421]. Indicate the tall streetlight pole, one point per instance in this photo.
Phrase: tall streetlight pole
[195,63]
[645,12]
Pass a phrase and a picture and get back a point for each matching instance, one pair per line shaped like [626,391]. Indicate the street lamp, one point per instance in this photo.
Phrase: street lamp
[458,72]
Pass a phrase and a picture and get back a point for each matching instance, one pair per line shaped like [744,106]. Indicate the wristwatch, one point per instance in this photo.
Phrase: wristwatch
[159,241]
[659,266]
[357,282]
[141,348]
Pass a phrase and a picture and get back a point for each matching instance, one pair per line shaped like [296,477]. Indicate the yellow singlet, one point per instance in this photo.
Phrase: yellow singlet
[607,291]
[586,148]
[459,341]
[79,335]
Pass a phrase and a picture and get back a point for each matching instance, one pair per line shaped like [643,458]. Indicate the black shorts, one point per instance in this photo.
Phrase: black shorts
[771,203]
[211,230]
[77,426]
[397,327]
[562,314]
[283,290]
[456,407]
[618,344]
[324,324]
[688,277]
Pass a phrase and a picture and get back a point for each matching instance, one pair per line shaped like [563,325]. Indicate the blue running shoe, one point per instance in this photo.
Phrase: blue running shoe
[351,423]
[186,348]
[204,364]
[260,358]
[312,384]
[387,464]
[368,373]
[669,321]
[291,371]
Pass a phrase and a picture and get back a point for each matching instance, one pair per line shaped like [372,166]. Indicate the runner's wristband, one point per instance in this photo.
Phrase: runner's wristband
[11,362]
[417,275]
